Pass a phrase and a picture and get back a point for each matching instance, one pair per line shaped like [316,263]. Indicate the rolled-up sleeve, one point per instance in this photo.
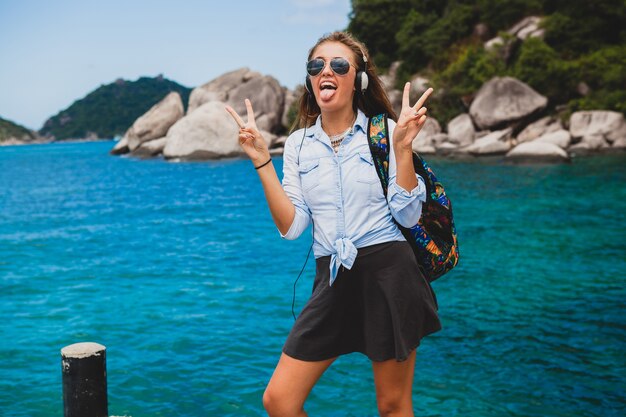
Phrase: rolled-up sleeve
[405,206]
[293,189]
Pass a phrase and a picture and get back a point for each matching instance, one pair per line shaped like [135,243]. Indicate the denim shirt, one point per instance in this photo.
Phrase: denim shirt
[342,194]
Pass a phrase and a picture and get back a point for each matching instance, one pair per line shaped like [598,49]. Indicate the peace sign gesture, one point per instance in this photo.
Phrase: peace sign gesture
[411,120]
[250,139]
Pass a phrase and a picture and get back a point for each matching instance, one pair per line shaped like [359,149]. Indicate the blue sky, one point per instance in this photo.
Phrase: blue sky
[55,52]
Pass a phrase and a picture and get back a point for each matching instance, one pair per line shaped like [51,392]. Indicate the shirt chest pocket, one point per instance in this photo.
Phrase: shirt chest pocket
[309,174]
[365,169]
[316,177]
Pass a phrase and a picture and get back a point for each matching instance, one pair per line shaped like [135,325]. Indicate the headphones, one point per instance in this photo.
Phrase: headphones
[360,82]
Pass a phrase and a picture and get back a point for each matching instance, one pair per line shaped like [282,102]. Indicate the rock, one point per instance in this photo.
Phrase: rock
[497,142]
[267,99]
[234,87]
[279,142]
[156,121]
[424,145]
[480,31]
[269,137]
[540,127]
[291,99]
[583,88]
[609,124]
[446,147]
[502,100]
[439,138]
[218,88]
[590,143]
[419,85]
[503,47]
[493,43]
[389,79]
[537,151]
[528,27]
[461,130]
[120,148]
[207,133]
[423,142]
[620,142]
[395,98]
[150,148]
[560,138]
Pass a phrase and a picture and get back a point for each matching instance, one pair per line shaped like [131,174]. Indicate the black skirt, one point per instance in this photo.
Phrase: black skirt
[382,308]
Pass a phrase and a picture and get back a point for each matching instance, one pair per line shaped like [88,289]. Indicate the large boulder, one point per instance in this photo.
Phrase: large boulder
[267,99]
[120,148]
[560,138]
[218,88]
[494,143]
[209,132]
[461,130]
[537,151]
[539,128]
[502,100]
[156,121]
[150,148]
[423,142]
[234,87]
[609,124]
[620,143]
[589,144]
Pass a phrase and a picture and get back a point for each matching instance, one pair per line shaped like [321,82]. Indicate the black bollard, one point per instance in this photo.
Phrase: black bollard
[84,380]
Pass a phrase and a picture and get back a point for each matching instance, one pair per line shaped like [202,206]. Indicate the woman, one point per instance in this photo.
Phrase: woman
[369,295]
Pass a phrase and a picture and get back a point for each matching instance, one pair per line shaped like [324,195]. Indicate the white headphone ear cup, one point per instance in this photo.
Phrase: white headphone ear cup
[364,81]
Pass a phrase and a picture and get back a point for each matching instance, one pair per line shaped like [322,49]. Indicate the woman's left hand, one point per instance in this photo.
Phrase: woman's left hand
[411,120]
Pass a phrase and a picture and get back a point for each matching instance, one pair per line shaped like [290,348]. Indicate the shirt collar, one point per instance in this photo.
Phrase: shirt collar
[360,122]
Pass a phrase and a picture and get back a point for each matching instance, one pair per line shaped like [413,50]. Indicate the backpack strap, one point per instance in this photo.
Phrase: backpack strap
[378,140]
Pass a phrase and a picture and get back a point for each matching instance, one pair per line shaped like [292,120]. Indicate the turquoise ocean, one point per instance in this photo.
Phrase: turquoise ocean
[178,270]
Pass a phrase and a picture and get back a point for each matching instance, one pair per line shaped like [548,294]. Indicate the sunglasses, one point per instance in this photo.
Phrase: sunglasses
[340,66]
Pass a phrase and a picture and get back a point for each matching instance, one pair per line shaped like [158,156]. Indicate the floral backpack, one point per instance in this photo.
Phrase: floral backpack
[433,239]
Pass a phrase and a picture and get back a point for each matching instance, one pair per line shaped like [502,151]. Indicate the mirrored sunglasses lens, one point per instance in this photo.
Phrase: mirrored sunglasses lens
[340,65]
[314,67]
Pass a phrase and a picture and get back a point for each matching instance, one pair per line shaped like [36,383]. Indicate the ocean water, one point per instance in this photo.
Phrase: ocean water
[179,271]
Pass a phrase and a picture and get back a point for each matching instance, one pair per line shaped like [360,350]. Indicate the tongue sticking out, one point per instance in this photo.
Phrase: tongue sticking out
[327,94]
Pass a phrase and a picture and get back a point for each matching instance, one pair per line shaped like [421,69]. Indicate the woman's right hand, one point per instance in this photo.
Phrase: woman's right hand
[250,139]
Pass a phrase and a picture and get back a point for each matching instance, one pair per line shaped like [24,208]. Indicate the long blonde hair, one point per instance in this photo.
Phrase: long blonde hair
[372,102]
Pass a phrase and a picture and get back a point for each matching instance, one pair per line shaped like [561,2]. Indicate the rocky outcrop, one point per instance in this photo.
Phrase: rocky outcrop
[423,142]
[461,130]
[207,133]
[120,148]
[150,148]
[560,138]
[528,27]
[538,128]
[156,121]
[498,142]
[609,125]
[502,100]
[266,94]
[537,151]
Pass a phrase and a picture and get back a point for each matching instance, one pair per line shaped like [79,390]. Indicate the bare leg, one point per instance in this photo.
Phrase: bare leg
[394,383]
[291,384]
